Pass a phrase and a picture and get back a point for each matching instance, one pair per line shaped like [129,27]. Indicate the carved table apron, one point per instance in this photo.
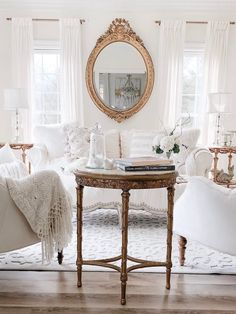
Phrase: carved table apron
[118,179]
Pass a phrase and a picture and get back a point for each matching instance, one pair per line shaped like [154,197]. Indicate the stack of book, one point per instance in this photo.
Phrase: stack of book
[145,164]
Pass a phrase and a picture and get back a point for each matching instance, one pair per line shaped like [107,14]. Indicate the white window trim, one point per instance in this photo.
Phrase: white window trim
[194,47]
[48,47]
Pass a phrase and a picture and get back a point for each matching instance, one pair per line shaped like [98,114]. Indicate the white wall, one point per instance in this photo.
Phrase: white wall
[95,25]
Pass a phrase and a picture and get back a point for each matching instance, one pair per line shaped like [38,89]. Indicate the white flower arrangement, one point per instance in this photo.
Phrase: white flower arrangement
[169,142]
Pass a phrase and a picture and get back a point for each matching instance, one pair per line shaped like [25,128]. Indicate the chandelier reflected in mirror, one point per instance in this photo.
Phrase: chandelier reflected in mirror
[128,92]
[121,90]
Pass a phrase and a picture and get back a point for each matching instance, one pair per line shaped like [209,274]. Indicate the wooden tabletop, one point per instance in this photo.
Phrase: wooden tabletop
[18,145]
[223,149]
[120,174]
[118,179]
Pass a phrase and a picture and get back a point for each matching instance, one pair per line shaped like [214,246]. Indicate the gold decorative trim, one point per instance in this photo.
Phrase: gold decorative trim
[119,31]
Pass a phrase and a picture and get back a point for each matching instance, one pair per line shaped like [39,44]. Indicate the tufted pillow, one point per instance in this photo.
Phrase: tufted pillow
[77,141]
[141,144]
[6,154]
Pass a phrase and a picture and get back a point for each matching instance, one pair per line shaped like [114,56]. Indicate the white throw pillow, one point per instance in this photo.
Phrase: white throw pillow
[77,139]
[15,169]
[6,154]
[125,141]
[52,136]
[112,143]
[141,144]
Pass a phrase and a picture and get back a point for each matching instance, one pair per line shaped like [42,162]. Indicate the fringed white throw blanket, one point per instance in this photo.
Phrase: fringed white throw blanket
[46,205]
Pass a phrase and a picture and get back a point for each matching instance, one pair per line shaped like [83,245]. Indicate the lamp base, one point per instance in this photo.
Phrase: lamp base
[16,128]
[217,140]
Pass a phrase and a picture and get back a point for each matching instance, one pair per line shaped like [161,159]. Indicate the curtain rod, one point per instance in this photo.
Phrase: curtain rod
[48,20]
[194,22]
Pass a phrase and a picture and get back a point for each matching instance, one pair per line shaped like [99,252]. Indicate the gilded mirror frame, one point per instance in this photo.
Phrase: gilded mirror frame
[119,31]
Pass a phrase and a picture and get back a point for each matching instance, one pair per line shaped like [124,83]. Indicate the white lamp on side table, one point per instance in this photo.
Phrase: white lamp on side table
[15,99]
[220,103]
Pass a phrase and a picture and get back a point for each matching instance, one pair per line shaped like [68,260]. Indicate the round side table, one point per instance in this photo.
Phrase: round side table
[118,179]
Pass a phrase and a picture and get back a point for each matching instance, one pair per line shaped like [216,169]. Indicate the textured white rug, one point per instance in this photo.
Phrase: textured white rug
[102,238]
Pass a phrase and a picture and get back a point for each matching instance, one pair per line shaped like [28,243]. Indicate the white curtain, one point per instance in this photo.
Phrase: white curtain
[170,71]
[216,55]
[22,60]
[71,65]
[215,69]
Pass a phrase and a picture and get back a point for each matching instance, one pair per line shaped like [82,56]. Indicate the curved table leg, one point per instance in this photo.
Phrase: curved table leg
[170,191]
[79,234]
[123,276]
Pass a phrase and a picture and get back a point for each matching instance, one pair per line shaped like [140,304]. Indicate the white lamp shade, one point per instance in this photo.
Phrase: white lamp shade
[15,98]
[220,102]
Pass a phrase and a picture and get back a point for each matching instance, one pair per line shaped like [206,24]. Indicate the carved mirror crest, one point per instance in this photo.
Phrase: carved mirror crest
[119,72]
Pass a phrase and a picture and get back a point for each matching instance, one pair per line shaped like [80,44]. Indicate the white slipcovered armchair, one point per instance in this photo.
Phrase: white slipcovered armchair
[15,230]
[206,212]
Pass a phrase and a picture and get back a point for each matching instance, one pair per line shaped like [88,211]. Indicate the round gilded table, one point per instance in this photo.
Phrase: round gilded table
[118,179]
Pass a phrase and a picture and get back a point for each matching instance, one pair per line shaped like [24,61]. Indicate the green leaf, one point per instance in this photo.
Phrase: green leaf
[157,149]
[176,148]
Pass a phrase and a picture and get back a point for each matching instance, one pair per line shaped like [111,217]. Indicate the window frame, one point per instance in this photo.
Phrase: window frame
[47,47]
[194,48]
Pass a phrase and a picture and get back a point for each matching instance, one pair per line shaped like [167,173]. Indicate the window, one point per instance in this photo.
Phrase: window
[192,84]
[47,108]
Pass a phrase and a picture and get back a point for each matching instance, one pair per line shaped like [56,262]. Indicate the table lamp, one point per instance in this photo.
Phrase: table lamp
[220,103]
[15,99]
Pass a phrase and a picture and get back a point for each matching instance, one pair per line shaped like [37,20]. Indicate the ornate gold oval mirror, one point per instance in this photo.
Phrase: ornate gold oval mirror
[119,72]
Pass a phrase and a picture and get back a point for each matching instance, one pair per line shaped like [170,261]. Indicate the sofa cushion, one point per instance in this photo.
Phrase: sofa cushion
[77,141]
[112,143]
[125,142]
[141,144]
[6,154]
[52,136]
[129,139]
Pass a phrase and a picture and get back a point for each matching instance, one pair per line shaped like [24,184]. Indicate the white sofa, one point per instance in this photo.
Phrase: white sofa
[51,148]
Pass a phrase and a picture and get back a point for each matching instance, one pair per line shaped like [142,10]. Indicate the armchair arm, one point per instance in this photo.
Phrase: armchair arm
[38,156]
[198,162]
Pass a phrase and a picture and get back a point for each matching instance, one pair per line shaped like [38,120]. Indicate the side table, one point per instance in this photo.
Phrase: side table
[222,150]
[23,147]
[118,179]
